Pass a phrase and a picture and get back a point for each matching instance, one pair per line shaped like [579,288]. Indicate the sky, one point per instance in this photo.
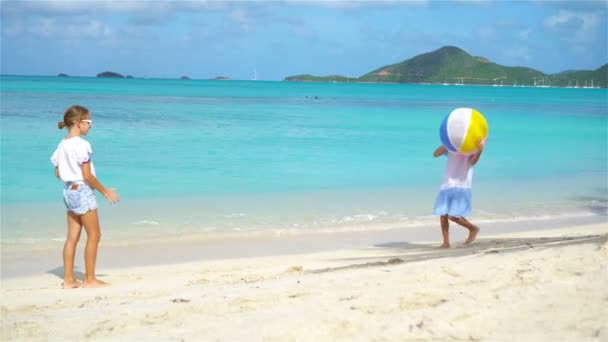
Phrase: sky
[270,40]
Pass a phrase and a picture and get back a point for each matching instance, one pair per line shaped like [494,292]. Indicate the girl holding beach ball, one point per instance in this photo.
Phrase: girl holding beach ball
[463,135]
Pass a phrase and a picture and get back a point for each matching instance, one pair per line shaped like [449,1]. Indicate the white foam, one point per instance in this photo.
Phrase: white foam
[235,215]
[145,222]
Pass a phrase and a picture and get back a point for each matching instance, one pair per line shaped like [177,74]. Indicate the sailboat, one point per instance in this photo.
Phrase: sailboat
[255,75]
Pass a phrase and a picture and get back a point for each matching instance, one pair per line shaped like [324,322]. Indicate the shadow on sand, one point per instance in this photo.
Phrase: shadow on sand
[403,252]
[58,271]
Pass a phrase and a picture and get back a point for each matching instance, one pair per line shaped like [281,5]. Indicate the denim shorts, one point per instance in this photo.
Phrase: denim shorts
[79,198]
[455,202]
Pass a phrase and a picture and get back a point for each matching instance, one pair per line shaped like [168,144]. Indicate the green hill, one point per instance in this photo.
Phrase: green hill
[455,66]
[582,78]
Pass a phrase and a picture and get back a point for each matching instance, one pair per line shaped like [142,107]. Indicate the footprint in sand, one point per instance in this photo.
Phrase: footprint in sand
[201,281]
[346,329]
[295,269]
[252,278]
[155,319]
[450,271]
[421,300]
[243,304]
[21,329]
[296,295]
[29,308]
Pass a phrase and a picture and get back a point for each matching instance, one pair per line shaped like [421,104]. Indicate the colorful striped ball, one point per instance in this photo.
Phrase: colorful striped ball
[461,129]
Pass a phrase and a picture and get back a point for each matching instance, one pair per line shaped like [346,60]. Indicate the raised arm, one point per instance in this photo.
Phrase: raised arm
[96,184]
[475,156]
[439,151]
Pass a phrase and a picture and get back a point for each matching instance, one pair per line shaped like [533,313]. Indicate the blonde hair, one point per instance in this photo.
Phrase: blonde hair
[73,115]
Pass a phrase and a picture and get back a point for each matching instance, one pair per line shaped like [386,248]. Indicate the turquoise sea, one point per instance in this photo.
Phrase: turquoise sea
[244,157]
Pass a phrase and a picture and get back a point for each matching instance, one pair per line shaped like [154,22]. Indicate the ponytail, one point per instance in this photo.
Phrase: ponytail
[73,115]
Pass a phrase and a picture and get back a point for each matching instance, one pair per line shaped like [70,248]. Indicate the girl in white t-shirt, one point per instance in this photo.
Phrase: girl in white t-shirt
[453,202]
[73,166]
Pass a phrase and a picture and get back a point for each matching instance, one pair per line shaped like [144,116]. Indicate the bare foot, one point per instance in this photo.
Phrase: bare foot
[72,284]
[445,245]
[472,235]
[95,283]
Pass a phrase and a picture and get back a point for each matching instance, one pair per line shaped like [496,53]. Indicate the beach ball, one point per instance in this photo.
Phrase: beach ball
[461,129]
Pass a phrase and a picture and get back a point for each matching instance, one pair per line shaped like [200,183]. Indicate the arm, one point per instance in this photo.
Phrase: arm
[95,184]
[57,173]
[439,151]
[475,156]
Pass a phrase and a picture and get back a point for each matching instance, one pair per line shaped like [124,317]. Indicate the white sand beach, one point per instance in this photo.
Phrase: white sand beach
[544,285]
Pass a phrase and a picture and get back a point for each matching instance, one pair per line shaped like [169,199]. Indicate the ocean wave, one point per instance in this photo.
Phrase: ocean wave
[235,215]
[145,222]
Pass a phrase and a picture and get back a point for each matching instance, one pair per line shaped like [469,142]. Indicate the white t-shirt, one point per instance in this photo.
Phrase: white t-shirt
[69,156]
[458,172]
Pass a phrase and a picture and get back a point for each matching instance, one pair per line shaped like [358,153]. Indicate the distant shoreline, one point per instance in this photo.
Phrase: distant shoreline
[307,81]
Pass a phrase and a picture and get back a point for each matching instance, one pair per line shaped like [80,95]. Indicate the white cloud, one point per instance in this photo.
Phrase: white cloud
[579,33]
[71,7]
[13,29]
[579,5]
[517,52]
[66,7]
[576,22]
[242,19]
[89,29]
[486,32]
[304,31]
[524,34]
[345,4]
[44,28]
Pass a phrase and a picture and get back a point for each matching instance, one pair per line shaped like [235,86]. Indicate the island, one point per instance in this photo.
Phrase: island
[110,74]
[184,78]
[63,75]
[451,65]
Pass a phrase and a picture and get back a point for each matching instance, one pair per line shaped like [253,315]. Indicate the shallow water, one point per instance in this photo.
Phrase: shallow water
[194,156]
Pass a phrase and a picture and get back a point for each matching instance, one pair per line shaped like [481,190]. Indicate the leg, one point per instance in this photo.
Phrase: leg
[69,251]
[473,229]
[445,231]
[90,220]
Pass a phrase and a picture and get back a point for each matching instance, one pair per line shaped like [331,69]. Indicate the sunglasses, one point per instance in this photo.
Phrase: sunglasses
[90,122]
